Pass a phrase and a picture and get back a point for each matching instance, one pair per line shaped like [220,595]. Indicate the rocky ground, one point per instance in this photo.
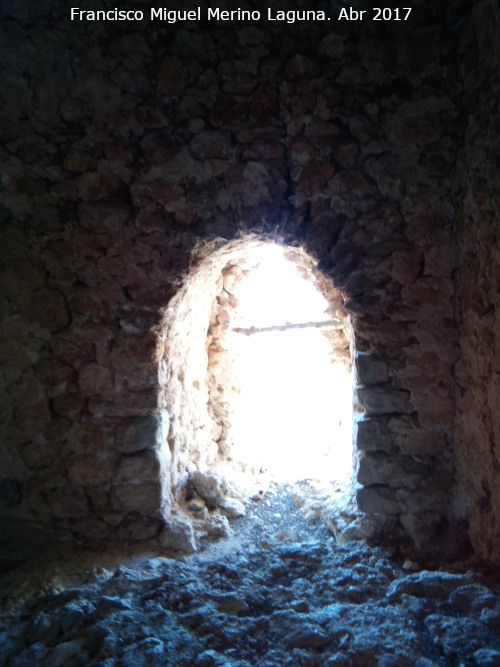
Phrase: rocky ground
[279,591]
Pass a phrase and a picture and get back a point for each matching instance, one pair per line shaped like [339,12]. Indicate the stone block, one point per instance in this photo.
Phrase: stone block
[420,294]
[226,110]
[209,486]
[435,408]
[159,147]
[68,506]
[144,499]
[411,439]
[128,350]
[57,377]
[38,454]
[331,47]
[397,472]
[346,153]
[383,400]
[432,497]
[47,307]
[235,81]
[140,433]
[379,499]
[301,67]
[381,528]
[422,526]
[372,434]
[178,534]
[136,530]
[232,508]
[487,657]
[94,379]
[370,370]
[427,583]
[419,122]
[406,265]
[212,144]
[98,496]
[301,151]
[142,467]
[87,470]
[348,181]
[264,102]
[216,527]
[157,190]
[231,277]
[91,437]
[440,260]
[112,518]
[198,506]
[92,530]
[141,377]
[474,597]
[313,178]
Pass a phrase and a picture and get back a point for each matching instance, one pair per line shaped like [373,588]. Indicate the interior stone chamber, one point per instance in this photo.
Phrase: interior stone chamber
[139,158]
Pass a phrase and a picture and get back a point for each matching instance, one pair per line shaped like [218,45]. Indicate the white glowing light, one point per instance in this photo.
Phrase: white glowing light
[274,293]
[292,414]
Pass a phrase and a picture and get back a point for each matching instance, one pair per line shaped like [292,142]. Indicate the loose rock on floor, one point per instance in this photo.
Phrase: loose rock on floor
[279,592]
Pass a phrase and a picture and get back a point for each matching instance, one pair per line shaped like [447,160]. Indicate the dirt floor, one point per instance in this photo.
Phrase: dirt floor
[278,591]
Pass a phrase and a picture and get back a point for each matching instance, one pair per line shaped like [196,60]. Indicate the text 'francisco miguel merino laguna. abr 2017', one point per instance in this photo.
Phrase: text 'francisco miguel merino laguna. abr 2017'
[222,15]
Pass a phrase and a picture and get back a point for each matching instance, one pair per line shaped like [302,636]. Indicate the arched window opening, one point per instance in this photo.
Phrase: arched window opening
[279,370]
[256,370]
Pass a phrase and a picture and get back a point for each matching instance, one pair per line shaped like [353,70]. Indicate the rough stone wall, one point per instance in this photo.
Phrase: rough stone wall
[126,143]
[478,283]
[184,377]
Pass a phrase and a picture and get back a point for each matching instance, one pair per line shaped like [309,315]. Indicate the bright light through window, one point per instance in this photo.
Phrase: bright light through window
[274,294]
[291,413]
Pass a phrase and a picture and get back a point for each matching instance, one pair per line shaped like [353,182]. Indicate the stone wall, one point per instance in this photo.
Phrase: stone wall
[125,145]
[478,283]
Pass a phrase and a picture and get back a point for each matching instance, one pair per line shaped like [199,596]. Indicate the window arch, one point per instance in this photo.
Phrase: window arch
[216,333]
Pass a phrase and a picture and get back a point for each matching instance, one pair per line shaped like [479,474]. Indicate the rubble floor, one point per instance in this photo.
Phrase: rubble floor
[279,591]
